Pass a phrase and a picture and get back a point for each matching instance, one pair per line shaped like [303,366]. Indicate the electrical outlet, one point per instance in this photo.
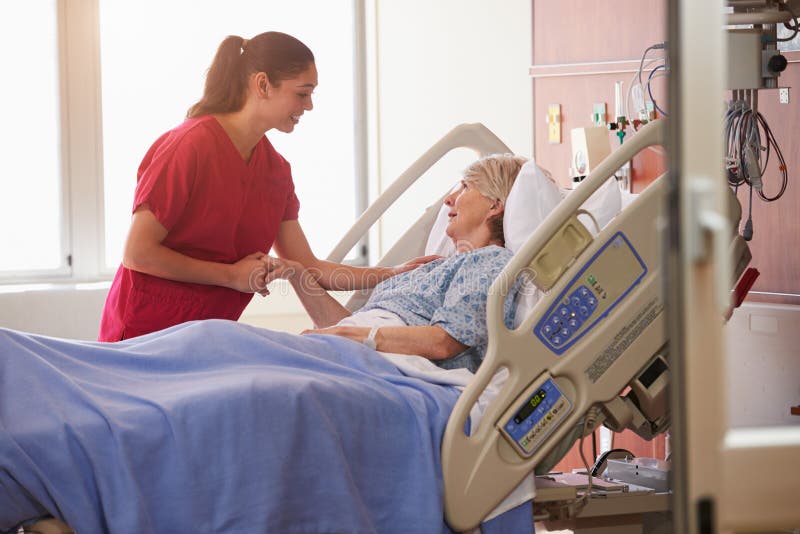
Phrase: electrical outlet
[783,95]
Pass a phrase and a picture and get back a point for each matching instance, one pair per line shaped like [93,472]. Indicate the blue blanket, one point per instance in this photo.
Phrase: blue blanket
[216,426]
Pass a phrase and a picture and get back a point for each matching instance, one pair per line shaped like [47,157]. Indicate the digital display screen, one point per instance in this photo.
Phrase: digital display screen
[531,405]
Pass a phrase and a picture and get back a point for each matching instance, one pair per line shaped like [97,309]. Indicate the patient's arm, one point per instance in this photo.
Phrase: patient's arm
[323,309]
[291,243]
[431,342]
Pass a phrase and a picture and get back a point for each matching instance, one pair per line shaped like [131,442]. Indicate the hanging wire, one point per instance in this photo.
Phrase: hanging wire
[744,131]
[650,92]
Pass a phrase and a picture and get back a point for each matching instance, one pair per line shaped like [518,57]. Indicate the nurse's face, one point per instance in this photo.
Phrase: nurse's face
[469,213]
[291,98]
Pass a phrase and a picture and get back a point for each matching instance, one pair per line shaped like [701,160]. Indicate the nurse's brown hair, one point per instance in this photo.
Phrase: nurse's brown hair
[277,54]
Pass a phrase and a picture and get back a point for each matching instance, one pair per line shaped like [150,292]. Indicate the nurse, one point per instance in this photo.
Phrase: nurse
[213,196]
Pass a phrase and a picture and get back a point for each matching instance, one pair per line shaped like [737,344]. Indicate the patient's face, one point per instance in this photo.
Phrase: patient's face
[469,211]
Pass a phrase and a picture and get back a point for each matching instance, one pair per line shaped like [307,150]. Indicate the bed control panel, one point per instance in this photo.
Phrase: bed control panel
[570,316]
[603,282]
[526,426]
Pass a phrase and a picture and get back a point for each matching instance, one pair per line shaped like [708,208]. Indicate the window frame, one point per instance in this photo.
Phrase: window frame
[82,218]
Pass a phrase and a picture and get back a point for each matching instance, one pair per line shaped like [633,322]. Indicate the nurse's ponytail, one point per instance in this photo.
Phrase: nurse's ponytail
[279,55]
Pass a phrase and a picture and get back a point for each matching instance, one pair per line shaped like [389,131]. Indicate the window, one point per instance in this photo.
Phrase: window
[150,78]
[132,71]
[31,207]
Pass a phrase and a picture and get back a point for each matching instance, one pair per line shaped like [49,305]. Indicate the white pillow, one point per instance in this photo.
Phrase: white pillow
[531,199]
[533,196]
[627,198]
[604,204]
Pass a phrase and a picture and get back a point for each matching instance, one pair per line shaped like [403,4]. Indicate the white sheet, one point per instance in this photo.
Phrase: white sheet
[422,368]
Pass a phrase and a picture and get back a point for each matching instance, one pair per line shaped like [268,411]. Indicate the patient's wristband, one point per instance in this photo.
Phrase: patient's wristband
[369,341]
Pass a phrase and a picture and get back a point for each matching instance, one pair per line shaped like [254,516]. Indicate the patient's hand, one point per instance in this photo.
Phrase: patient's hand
[356,333]
[410,265]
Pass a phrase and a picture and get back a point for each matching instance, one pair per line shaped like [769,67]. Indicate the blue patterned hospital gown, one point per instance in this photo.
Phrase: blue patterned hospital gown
[450,293]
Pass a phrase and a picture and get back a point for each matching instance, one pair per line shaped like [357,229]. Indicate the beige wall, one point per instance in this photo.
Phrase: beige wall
[71,311]
[762,370]
[74,310]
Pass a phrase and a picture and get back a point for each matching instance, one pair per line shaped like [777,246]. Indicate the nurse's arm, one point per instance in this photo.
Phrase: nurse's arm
[323,309]
[145,252]
[291,243]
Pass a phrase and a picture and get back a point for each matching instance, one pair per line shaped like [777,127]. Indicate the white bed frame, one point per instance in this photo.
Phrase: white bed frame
[411,244]
[481,469]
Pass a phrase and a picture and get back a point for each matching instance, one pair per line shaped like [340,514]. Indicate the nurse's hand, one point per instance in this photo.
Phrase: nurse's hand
[247,274]
[410,265]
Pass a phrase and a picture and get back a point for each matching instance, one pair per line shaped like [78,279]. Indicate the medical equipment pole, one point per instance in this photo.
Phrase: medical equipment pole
[725,479]
[697,182]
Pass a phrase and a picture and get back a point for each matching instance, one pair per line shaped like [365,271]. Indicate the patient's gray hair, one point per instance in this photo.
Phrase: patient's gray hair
[493,176]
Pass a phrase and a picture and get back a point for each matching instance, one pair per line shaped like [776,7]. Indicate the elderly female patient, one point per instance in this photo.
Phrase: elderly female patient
[439,309]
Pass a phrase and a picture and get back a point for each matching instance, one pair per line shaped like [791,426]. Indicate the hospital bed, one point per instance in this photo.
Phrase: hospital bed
[592,351]
[590,348]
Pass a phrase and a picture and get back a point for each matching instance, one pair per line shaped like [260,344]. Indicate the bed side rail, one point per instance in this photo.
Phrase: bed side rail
[475,136]
[411,244]
[562,378]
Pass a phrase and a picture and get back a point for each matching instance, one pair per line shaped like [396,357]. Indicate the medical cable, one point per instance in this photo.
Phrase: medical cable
[633,84]
[657,46]
[589,421]
[743,132]
[650,91]
[591,217]
[794,28]
[640,111]
[640,114]
[747,232]
[745,128]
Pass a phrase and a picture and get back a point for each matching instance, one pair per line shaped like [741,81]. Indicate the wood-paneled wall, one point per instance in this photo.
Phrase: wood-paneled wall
[581,31]
[580,49]
[776,225]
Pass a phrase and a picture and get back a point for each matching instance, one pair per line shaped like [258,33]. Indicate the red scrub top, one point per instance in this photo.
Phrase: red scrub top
[215,207]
